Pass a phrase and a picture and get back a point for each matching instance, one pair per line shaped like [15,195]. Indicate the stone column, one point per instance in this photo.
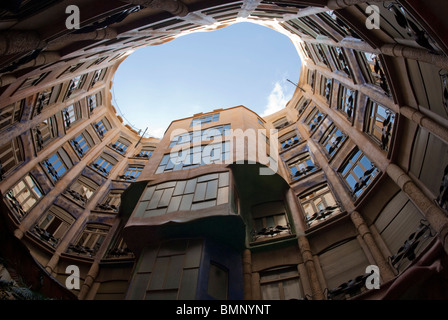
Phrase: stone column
[399,50]
[340,4]
[256,291]
[435,216]
[364,231]
[90,278]
[425,122]
[299,223]
[175,7]
[305,250]
[51,265]
[12,42]
[247,274]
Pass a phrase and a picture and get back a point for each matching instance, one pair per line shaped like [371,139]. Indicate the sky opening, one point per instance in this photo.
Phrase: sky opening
[242,64]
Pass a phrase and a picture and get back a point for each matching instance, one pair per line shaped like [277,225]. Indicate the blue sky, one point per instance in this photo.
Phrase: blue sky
[242,64]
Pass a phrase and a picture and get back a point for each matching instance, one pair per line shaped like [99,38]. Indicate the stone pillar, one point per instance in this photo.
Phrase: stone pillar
[51,265]
[12,42]
[299,222]
[340,4]
[435,216]
[364,231]
[256,291]
[7,79]
[247,274]
[305,250]
[399,50]
[175,7]
[101,34]
[425,122]
[90,278]
[45,57]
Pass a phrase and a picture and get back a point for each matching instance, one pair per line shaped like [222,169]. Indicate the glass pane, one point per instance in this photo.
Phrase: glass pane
[217,282]
[270,291]
[291,289]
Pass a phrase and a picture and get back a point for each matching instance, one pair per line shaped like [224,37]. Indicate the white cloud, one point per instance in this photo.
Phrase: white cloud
[276,100]
[156,132]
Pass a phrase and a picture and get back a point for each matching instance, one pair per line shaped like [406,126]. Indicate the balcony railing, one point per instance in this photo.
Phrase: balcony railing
[411,245]
[270,232]
[45,236]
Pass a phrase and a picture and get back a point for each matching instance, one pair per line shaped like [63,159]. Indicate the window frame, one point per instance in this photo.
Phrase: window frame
[296,161]
[15,200]
[280,280]
[310,196]
[354,160]
[329,138]
[372,117]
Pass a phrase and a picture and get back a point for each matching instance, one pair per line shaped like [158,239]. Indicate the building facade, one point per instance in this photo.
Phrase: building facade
[351,175]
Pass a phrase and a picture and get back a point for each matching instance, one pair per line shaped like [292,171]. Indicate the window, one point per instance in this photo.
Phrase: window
[340,60]
[94,101]
[71,69]
[347,102]
[53,225]
[97,61]
[185,195]
[101,127]
[204,120]
[44,132]
[75,84]
[358,172]
[260,122]
[23,196]
[104,163]
[33,81]
[218,279]
[58,164]
[71,114]
[280,123]
[132,172]
[326,88]
[145,152]
[379,124]
[288,140]
[194,157]
[269,221]
[90,240]
[111,202]
[373,70]
[119,249]
[203,135]
[46,97]
[82,190]
[318,204]
[11,114]
[281,284]
[302,105]
[332,139]
[82,143]
[319,49]
[98,75]
[314,119]
[11,155]
[311,78]
[175,271]
[301,166]
[121,145]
